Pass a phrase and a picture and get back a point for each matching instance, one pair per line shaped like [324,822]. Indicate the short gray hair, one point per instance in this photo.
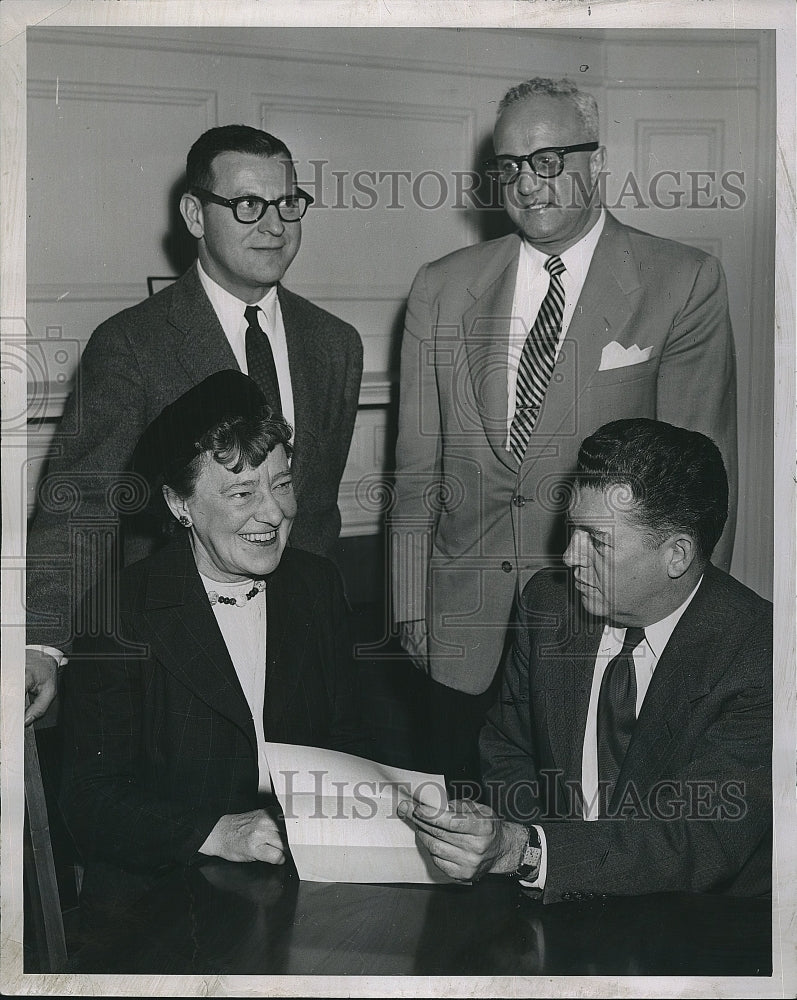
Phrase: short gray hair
[585,105]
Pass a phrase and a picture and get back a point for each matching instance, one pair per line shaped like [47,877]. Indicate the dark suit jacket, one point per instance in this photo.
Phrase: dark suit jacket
[460,562]
[159,738]
[136,363]
[696,781]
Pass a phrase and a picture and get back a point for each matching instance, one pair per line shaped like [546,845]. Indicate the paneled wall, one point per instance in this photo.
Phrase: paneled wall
[388,128]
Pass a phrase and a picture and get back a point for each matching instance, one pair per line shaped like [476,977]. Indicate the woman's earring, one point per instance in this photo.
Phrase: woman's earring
[185,521]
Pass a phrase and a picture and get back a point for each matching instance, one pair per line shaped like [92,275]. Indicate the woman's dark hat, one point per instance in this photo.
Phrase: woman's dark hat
[170,441]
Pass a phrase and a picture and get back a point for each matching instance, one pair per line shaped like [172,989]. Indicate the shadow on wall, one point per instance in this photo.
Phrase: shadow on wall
[178,244]
[484,211]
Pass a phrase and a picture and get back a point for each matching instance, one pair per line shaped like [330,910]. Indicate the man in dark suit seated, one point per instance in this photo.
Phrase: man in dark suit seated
[226,639]
[228,311]
[630,749]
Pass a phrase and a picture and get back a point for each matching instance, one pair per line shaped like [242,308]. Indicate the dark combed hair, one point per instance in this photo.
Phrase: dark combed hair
[237,443]
[228,139]
[676,477]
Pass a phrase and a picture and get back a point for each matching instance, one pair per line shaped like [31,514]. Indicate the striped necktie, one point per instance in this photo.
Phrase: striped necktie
[260,359]
[617,712]
[537,360]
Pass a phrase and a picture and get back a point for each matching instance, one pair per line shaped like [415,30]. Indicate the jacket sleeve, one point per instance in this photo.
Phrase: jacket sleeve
[347,721]
[107,802]
[697,380]
[506,743]
[417,457]
[102,420]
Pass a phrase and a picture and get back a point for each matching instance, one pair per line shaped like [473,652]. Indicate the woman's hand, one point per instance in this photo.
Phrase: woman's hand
[250,836]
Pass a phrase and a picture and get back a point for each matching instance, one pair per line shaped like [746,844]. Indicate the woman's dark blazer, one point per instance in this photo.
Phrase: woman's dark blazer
[160,741]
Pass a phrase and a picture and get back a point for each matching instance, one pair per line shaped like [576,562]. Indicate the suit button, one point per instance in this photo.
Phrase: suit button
[506,566]
[520,501]
[567,895]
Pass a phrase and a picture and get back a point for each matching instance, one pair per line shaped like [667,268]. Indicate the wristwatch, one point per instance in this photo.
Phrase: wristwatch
[529,867]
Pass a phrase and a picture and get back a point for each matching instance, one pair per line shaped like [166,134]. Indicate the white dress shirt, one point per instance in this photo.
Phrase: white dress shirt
[646,657]
[230,311]
[244,632]
[531,286]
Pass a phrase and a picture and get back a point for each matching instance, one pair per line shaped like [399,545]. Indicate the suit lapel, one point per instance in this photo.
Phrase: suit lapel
[486,327]
[605,305]
[286,641]
[680,677]
[602,312]
[306,363]
[568,682]
[201,345]
[181,628]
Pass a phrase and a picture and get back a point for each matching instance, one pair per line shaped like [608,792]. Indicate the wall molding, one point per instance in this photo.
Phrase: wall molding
[647,129]
[88,291]
[117,93]
[94,291]
[145,38]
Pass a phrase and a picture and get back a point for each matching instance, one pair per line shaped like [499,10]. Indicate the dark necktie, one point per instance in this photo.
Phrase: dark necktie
[537,360]
[617,712]
[260,359]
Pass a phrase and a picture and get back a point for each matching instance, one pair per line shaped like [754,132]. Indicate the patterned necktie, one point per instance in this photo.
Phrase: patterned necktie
[537,360]
[260,359]
[617,712]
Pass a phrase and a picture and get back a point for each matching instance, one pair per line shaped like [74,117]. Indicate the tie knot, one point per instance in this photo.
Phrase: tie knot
[250,315]
[633,637]
[554,265]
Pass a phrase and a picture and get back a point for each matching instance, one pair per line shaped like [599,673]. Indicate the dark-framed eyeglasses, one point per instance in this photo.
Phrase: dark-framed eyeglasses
[251,208]
[546,162]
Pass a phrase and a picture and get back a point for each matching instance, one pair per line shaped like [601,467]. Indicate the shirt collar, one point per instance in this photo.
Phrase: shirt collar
[228,305]
[576,258]
[658,634]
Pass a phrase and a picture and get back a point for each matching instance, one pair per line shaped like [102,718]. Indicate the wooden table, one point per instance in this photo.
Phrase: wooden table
[225,918]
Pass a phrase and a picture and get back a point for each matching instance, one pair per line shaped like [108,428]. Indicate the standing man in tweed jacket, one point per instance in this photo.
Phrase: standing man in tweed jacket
[228,311]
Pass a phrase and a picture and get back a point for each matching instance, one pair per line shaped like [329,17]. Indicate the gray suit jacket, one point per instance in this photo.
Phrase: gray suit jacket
[695,785]
[461,556]
[136,363]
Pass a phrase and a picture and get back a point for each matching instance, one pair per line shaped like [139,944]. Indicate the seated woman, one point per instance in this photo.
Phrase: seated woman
[226,639]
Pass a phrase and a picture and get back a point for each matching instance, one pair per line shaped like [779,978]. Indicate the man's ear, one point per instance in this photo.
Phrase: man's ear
[681,552]
[192,213]
[175,503]
[597,164]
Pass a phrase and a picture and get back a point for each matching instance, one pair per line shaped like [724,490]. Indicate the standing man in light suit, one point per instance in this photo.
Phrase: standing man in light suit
[514,350]
[228,311]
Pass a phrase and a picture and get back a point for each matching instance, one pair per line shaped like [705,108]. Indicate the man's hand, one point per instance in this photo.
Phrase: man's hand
[468,840]
[41,683]
[414,639]
[250,836]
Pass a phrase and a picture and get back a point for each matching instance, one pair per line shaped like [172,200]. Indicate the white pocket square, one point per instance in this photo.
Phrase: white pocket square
[614,355]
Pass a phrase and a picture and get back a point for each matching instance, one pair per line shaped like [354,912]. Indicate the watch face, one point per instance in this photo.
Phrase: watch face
[532,856]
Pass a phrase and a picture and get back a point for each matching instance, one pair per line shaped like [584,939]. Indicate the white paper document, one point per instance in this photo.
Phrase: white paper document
[341,815]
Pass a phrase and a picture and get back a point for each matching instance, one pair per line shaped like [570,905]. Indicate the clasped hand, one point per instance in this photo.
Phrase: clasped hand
[467,840]
[41,683]
[249,836]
